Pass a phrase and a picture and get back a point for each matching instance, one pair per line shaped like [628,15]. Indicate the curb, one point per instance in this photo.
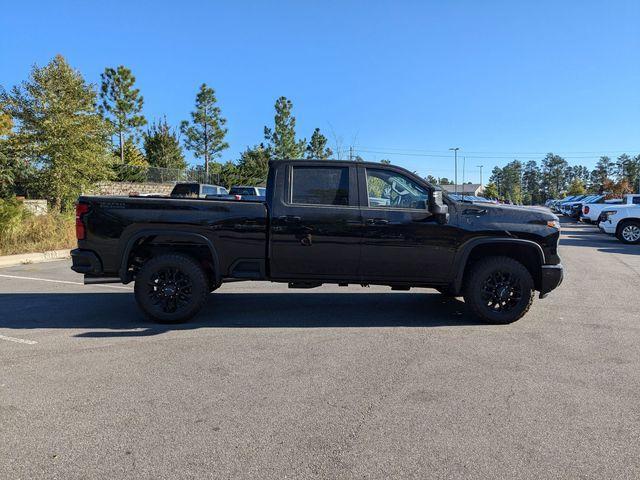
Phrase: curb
[39,257]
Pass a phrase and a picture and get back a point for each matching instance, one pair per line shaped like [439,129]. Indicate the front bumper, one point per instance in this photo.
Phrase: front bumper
[607,227]
[86,261]
[550,278]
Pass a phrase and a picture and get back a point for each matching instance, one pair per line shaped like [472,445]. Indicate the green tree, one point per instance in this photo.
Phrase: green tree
[58,128]
[628,169]
[491,191]
[603,172]
[554,180]
[253,165]
[6,165]
[511,181]
[445,181]
[576,187]
[431,180]
[121,105]
[282,139]
[531,179]
[497,179]
[204,135]
[162,146]
[317,148]
[135,166]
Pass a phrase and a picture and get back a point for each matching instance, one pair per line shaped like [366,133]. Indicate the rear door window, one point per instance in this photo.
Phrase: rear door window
[320,185]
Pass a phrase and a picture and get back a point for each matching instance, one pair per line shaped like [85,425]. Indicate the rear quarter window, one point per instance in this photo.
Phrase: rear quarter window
[320,185]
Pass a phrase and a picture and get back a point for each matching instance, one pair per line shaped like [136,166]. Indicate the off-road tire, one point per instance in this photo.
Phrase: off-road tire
[479,281]
[627,237]
[160,277]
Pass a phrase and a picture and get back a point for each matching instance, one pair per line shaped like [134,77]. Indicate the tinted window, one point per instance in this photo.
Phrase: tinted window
[243,191]
[262,192]
[185,190]
[635,200]
[320,185]
[390,189]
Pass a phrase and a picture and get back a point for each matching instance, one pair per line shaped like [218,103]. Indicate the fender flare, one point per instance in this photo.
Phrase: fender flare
[462,256]
[200,239]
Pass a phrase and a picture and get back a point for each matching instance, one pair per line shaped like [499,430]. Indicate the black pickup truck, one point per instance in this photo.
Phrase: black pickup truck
[322,222]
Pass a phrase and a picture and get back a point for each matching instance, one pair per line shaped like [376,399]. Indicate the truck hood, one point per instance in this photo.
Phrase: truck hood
[513,212]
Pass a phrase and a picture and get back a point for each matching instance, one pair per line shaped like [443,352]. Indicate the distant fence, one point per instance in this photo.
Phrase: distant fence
[136,174]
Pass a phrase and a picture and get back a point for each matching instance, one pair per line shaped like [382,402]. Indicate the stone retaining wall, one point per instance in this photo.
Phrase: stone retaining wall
[128,188]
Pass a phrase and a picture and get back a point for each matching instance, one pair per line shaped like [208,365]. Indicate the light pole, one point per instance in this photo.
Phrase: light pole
[480,167]
[455,155]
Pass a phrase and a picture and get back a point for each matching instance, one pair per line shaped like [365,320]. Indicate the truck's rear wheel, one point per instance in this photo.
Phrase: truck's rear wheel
[499,289]
[629,232]
[171,288]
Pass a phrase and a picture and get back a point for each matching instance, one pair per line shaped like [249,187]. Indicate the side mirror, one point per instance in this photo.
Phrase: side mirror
[437,206]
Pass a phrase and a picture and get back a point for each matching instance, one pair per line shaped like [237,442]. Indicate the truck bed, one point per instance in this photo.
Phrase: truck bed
[235,228]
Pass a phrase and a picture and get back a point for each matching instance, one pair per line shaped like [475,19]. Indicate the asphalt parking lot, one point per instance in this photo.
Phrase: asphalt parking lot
[325,383]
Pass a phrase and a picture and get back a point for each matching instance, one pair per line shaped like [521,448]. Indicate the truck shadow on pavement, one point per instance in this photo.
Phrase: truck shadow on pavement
[118,314]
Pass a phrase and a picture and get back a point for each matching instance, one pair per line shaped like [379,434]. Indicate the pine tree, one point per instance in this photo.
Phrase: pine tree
[58,128]
[554,168]
[576,187]
[282,139]
[205,134]
[317,148]
[162,147]
[602,173]
[531,179]
[253,165]
[431,180]
[491,191]
[135,166]
[121,105]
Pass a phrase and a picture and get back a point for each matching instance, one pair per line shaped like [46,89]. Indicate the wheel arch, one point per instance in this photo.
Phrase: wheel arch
[158,238]
[626,221]
[527,252]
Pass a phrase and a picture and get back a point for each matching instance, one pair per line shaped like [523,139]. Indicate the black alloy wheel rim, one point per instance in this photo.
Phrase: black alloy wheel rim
[170,290]
[501,291]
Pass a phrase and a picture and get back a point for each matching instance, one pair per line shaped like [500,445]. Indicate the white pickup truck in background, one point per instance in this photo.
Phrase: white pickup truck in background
[623,221]
[591,211]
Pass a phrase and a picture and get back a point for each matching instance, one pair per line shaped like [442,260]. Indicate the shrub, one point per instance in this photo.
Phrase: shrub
[21,232]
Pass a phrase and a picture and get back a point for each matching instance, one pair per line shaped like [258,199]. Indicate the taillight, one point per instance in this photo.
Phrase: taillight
[81,209]
[586,209]
[238,197]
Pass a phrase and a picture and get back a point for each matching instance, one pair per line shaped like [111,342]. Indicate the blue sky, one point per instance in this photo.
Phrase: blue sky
[402,80]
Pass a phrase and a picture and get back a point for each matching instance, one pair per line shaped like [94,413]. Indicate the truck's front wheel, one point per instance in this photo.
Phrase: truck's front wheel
[499,289]
[629,232]
[171,288]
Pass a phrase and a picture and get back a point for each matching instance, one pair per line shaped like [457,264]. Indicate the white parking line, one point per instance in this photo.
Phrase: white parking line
[64,281]
[17,340]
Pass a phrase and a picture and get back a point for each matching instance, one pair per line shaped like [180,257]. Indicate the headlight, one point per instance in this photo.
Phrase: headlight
[553,224]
